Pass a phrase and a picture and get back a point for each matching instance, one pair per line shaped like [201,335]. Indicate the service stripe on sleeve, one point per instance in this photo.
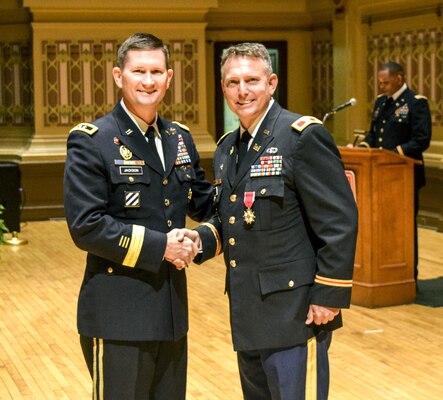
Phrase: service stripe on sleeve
[344,283]
[138,235]
[216,236]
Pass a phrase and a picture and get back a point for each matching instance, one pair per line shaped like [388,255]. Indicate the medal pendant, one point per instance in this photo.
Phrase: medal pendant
[248,200]
[249,216]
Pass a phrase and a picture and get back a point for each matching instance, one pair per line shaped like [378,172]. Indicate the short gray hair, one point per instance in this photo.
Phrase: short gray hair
[255,50]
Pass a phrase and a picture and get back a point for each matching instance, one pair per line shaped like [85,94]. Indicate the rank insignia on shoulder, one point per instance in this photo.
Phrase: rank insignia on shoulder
[183,126]
[303,122]
[85,127]
[419,97]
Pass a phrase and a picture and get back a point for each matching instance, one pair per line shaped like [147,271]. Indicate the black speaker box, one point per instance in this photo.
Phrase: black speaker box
[10,196]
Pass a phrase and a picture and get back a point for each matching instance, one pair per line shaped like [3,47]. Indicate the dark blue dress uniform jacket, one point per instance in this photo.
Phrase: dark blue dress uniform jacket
[404,127]
[300,248]
[119,205]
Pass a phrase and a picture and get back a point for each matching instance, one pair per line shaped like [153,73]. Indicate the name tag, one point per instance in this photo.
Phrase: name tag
[131,170]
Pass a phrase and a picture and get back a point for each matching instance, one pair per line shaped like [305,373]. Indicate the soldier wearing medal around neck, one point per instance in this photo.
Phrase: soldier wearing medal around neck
[287,223]
[401,122]
[126,197]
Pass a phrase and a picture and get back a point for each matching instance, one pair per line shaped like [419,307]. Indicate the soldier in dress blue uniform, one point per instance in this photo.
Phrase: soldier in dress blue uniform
[401,122]
[125,195]
[287,223]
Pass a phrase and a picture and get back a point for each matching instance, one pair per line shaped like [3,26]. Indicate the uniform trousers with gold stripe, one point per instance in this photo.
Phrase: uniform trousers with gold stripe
[123,370]
[293,373]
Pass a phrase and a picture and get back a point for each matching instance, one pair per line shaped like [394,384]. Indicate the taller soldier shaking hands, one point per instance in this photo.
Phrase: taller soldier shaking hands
[131,178]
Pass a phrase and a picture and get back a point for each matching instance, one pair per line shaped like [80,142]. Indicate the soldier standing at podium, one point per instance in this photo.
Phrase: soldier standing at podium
[401,122]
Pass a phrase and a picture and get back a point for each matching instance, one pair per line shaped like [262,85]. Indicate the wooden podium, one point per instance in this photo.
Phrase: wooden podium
[384,259]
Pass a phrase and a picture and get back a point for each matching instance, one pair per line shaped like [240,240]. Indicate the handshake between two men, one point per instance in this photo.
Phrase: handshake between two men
[184,244]
[182,247]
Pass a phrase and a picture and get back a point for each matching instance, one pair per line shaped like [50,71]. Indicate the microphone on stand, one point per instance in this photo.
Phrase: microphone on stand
[350,102]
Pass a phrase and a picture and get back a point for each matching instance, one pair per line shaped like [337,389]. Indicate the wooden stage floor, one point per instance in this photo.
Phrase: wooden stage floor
[386,353]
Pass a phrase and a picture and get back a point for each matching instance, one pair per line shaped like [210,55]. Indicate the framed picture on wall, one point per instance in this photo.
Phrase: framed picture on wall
[225,119]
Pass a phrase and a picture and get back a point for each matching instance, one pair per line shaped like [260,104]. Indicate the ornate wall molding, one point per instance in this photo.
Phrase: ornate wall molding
[322,77]
[420,52]
[78,84]
[16,89]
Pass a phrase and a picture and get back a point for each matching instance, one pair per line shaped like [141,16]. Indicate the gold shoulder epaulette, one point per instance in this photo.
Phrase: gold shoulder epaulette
[223,137]
[303,122]
[380,95]
[419,96]
[183,126]
[85,127]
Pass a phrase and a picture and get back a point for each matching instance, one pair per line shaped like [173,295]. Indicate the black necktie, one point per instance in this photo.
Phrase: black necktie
[243,147]
[150,134]
[388,103]
[385,107]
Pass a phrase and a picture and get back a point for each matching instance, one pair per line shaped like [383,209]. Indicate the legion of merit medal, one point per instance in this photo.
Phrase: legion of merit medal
[249,215]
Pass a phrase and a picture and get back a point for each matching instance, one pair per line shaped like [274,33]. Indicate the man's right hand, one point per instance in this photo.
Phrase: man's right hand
[180,249]
[191,234]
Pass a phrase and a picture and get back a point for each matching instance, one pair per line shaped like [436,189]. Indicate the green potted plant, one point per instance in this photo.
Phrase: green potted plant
[3,228]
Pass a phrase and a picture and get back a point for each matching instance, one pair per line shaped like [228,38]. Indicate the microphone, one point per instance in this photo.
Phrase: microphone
[350,102]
